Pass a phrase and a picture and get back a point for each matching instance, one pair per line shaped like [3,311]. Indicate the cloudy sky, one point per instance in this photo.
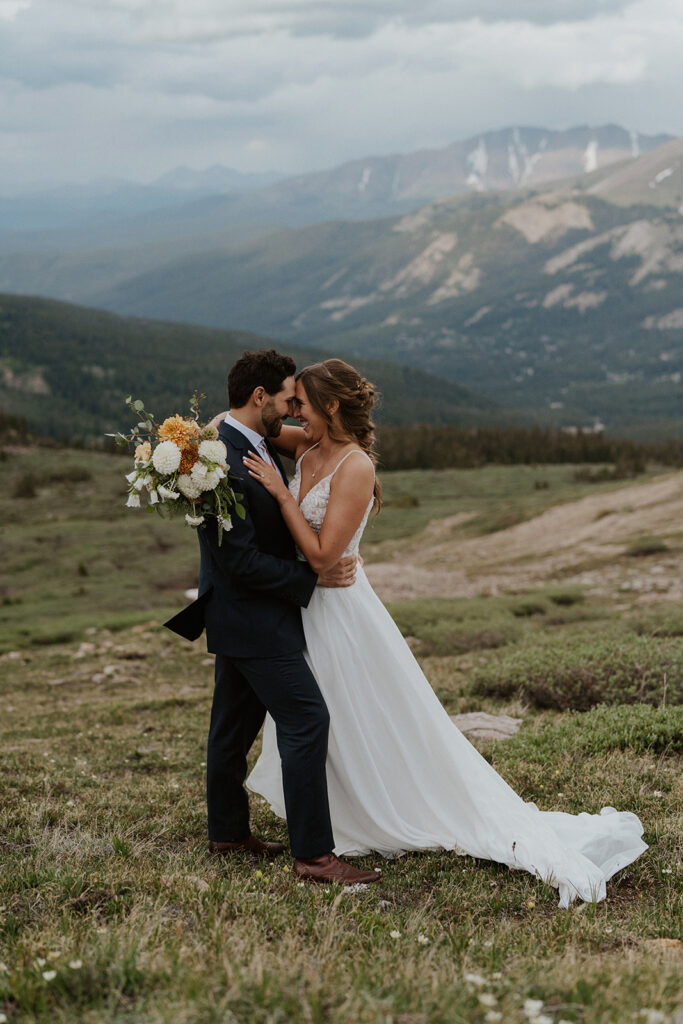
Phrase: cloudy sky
[135,87]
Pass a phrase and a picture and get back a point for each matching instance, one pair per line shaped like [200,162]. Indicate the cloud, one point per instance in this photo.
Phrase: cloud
[294,84]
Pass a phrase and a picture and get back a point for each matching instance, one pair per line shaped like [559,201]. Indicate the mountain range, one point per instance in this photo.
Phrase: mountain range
[562,296]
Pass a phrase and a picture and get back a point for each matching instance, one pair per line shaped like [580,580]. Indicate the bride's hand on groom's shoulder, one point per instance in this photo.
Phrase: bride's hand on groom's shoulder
[343,574]
[217,420]
[266,475]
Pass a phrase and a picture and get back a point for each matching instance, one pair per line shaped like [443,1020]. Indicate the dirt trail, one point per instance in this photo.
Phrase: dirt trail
[580,542]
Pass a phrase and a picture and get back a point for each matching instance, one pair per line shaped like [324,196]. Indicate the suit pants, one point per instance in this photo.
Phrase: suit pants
[284,686]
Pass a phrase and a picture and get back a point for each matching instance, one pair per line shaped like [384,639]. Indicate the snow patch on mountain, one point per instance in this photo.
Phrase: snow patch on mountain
[662,176]
[478,162]
[590,157]
[364,179]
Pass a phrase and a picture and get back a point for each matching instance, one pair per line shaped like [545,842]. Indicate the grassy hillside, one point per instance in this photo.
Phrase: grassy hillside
[111,909]
[66,369]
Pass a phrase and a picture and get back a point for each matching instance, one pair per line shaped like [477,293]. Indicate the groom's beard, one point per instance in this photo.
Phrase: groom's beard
[272,423]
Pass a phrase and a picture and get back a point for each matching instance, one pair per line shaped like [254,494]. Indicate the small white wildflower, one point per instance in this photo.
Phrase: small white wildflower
[133,501]
[475,979]
[395,934]
[667,871]
[75,965]
[497,975]
[422,940]
[167,493]
[3,1018]
[215,451]
[301,885]
[652,1016]
[657,792]
[492,1016]
[49,975]
[153,498]
[54,954]
[542,1018]
[131,476]
[187,486]
[487,999]
[3,968]
[225,524]
[194,520]
[166,457]
[40,961]
[532,1007]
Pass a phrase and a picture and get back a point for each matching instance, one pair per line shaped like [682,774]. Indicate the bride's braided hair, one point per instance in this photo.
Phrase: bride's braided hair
[334,379]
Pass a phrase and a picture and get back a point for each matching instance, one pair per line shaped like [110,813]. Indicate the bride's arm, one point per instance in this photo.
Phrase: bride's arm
[290,441]
[350,493]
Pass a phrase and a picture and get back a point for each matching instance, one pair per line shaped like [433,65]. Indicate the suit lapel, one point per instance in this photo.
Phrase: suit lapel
[276,459]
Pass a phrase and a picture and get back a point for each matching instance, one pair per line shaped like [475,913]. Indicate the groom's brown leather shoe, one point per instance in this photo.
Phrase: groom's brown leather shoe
[258,848]
[329,869]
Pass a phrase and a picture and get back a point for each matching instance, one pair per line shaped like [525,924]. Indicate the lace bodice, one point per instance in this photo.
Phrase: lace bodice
[314,504]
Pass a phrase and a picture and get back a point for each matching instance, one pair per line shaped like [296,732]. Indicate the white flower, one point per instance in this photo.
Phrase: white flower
[75,965]
[215,451]
[187,486]
[3,1018]
[131,476]
[203,478]
[194,520]
[153,498]
[475,979]
[492,1016]
[487,999]
[395,934]
[532,1007]
[166,457]
[198,471]
[167,494]
[422,940]
[3,968]
[657,792]
[140,483]
[225,524]
[49,975]
[652,1016]
[133,501]
[54,954]
[542,1018]
[40,961]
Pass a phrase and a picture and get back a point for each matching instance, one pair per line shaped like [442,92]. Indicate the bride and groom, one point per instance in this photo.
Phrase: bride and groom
[358,754]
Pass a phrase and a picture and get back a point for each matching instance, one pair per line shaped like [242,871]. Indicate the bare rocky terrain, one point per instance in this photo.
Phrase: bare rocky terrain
[583,542]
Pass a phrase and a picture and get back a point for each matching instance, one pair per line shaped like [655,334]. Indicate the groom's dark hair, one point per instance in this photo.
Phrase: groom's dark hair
[265,368]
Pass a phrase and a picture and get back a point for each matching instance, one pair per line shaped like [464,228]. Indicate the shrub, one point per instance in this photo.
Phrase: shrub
[70,475]
[646,546]
[528,607]
[25,486]
[567,597]
[582,672]
[636,727]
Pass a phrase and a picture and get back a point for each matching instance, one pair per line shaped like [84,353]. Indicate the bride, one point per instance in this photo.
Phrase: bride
[401,776]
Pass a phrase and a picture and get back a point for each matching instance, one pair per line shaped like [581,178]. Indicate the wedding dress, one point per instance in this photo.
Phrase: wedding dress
[401,776]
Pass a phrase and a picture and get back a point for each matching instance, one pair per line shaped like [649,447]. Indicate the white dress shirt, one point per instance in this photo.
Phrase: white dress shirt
[258,442]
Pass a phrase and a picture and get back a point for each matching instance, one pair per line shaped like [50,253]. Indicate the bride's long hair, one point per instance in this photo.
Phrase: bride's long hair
[334,379]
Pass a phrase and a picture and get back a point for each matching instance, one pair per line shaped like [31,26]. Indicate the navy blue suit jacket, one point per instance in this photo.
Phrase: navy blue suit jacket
[252,587]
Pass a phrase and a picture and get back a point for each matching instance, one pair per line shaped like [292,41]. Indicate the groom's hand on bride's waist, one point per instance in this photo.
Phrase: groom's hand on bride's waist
[343,574]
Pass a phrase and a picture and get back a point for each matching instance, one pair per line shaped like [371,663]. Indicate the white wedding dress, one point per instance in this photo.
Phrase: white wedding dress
[401,776]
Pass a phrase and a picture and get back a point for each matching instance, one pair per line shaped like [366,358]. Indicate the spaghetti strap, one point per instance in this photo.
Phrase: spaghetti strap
[298,461]
[354,451]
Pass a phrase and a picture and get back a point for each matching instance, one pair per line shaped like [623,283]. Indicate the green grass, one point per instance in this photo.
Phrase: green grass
[104,862]
[74,554]
[103,858]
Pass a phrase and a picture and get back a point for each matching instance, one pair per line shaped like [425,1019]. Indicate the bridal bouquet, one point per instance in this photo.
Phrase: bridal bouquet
[179,467]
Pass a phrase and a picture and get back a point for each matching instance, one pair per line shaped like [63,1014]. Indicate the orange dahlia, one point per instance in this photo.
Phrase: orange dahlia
[188,458]
[184,433]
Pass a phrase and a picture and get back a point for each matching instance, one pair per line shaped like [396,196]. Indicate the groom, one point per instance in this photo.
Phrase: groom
[251,591]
